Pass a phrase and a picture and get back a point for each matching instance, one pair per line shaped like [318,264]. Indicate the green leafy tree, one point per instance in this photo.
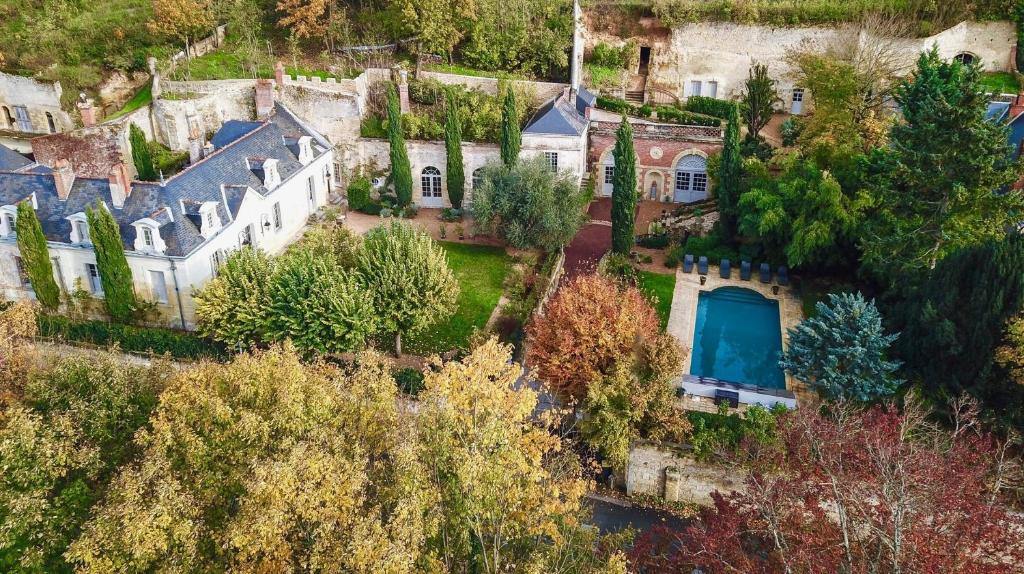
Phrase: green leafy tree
[624,190]
[953,324]
[59,448]
[730,171]
[411,285]
[529,205]
[802,216]
[141,156]
[842,351]
[35,255]
[115,275]
[401,170]
[511,136]
[759,96]
[453,146]
[321,307]
[937,187]
[233,306]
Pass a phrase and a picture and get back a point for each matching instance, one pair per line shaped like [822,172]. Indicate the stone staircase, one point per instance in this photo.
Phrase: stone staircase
[635,97]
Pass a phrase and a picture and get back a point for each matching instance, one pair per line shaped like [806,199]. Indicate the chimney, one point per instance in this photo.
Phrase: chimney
[86,110]
[63,177]
[279,75]
[120,185]
[577,52]
[264,98]
[403,91]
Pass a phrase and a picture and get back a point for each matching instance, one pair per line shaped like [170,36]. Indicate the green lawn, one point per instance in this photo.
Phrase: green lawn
[659,287]
[142,98]
[481,271]
[467,71]
[999,82]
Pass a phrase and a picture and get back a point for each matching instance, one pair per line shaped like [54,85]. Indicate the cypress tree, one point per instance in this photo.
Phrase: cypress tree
[453,146]
[401,171]
[729,174]
[141,156]
[115,275]
[35,255]
[511,137]
[623,190]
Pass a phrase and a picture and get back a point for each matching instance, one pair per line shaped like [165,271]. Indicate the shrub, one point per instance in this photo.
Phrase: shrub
[451,214]
[409,381]
[178,344]
[618,266]
[359,193]
[790,129]
[673,256]
[607,56]
[653,240]
[386,212]
[372,208]
[710,106]
[756,147]
[710,246]
[673,115]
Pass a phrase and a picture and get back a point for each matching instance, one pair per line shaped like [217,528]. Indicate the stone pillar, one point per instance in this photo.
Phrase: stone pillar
[63,178]
[279,76]
[120,184]
[87,111]
[403,91]
[264,98]
[155,74]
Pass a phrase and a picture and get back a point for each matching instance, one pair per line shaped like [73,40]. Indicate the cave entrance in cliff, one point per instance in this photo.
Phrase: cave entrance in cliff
[645,60]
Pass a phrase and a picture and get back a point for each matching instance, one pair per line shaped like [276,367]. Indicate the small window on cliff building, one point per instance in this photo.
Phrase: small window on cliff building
[8,118]
[965,58]
[50,124]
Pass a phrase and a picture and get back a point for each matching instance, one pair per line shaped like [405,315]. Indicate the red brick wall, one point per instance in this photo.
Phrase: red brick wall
[600,143]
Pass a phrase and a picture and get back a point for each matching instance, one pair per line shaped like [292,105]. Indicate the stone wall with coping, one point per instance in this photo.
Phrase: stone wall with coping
[539,92]
[671,472]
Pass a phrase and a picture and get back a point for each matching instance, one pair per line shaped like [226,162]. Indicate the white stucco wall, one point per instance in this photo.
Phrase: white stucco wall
[572,151]
[196,270]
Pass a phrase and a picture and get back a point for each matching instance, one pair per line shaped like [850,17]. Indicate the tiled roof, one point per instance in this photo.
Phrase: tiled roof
[220,177]
[11,160]
[560,117]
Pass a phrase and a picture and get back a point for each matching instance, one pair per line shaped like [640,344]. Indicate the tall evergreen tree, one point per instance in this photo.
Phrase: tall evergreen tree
[936,188]
[141,156]
[401,171]
[624,190]
[729,176]
[955,321]
[511,136]
[115,275]
[35,256]
[842,351]
[453,146]
[759,96]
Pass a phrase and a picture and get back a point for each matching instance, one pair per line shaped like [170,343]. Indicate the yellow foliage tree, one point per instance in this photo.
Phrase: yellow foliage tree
[182,19]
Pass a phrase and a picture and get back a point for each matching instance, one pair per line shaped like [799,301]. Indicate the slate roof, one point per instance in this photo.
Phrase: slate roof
[231,131]
[11,160]
[997,111]
[1017,134]
[198,183]
[560,117]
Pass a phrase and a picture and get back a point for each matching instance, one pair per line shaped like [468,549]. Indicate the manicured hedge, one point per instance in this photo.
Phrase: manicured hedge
[672,115]
[710,106]
[623,107]
[178,344]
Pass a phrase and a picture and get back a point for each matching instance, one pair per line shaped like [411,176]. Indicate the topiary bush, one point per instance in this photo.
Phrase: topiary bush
[710,106]
[359,193]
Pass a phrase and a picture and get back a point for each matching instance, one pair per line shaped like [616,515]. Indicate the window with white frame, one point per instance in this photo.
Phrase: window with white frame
[609,174]
[245,236]
[22,118]
[430,182]
[552,158]
[712,89]
[337,173]
[147,237]
[217,259]
[92,275]
[695,87]
[8,224]
[81,231]
[19,267]
[278,223]
[158,286]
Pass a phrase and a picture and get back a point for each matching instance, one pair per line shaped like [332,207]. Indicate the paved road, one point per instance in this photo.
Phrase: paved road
[611,517]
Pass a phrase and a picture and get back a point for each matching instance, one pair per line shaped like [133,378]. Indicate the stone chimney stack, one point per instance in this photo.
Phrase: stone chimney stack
[576,65]
[63,177]
[86,110]
[120,185]
[403,91]
[264,98]
[279,75]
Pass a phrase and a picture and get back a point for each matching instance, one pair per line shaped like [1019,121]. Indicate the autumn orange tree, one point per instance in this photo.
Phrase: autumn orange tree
[181,19]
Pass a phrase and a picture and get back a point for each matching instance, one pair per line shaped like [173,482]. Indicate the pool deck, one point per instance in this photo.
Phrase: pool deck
[682,319]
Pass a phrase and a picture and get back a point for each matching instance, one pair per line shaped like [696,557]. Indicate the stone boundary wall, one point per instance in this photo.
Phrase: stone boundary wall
[540,91]
[670,471]
[201,47]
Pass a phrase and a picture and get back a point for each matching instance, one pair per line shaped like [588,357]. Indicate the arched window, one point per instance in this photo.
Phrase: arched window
[478,177]
[8,118]
[50,124]
[691,181]
[965,58]
[430,182]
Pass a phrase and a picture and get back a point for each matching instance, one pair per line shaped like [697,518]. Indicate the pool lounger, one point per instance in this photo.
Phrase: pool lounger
[688,263]
[783,276]
[745,270]
[724,269]
[766,273]
[702,265]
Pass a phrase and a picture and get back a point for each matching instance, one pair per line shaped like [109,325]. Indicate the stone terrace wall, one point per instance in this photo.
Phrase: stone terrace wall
[540,91]
[670,472]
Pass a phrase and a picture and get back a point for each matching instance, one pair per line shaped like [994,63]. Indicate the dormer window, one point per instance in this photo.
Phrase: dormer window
[210,219]
[305,150]
[271,178]
[147,236]
[79,229]
[8,219]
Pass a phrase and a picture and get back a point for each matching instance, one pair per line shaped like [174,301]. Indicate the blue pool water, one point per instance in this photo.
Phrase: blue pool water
[737,338]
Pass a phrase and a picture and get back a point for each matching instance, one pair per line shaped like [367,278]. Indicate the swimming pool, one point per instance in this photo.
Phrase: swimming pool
[738,338]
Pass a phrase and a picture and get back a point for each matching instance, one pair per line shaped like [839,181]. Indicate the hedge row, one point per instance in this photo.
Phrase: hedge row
[710,106]
[666,114]
[178,344]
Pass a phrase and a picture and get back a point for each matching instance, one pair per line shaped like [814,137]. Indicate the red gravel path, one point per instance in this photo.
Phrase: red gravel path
[586,249]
